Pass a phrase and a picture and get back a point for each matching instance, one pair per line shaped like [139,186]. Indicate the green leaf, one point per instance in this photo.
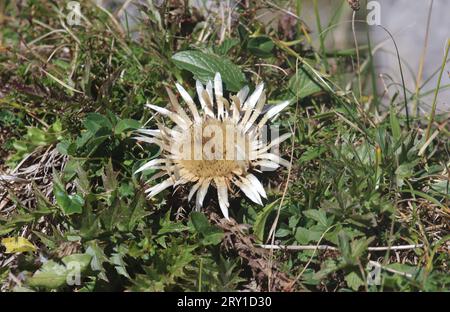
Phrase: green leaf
[260,222]
[226,46]
[126,124]
[301,84]
[38,136]
[200,222]
[312,153]
[109,178]
[213,238]
[119,264]
[404,171]
[98,258]
[260,46]
[53,275]
[47,240]
[317,215]
[211,234]
[96,121]
[50,276]
[327,267]
[81,261]
[304,236]
[344,247]
[281,232]
[360,246]
[69,204]
[205,66]
[395,125]
[138,211]
[354,281]
[172,227]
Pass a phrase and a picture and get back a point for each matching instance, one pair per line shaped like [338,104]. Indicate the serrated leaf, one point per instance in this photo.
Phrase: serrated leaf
[226,46]
[354,281]
[119,264]
[211,234]
[204,66]
[172,227]
[200,222]
[317,215]
[98,258]
[359,246]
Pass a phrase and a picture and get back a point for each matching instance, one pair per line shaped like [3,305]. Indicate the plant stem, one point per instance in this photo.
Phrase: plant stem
[433,107]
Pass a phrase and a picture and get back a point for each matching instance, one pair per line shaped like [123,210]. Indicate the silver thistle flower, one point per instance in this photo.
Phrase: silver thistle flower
[220,145]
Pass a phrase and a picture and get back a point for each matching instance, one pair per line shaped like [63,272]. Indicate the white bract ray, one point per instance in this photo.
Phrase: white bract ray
[219,144]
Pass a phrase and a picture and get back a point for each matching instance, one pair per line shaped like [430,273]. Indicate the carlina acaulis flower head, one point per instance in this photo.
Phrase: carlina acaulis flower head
[222,144]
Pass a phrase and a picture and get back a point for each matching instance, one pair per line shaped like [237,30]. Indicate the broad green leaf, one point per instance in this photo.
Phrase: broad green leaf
[46,239]
[69,204]
[327,267]
[281,232]
[304,236]
[441,186]
[17,244]
[126,124]
[77,261]
[317,215]
[205,66]
[138,211]
[50,276]
[96,121]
